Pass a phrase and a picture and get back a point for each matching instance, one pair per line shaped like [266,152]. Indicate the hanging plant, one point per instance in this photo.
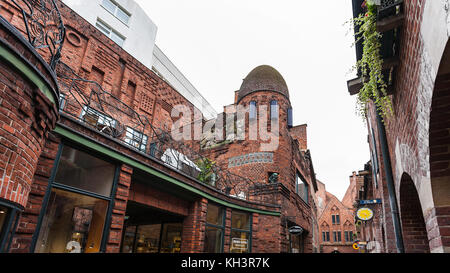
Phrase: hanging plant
[371,64]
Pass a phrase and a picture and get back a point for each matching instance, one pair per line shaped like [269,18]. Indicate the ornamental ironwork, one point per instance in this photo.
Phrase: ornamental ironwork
[89,104]
[44,26]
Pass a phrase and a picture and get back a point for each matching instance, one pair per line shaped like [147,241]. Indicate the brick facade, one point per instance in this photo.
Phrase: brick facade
[417,133]
[106,66]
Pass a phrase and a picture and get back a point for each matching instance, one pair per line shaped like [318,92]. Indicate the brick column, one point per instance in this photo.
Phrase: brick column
[28,112]
[28,220]
[227,237]
[119,210]
[193,234]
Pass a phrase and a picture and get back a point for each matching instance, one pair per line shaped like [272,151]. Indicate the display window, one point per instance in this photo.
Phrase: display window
[8,223]
[155,238]
[75,216]
[214,232]
[240,232]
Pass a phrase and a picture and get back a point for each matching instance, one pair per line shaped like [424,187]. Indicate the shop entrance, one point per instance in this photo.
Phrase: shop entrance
[148,230]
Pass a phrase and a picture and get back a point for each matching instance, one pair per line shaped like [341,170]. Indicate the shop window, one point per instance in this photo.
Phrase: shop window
[80,170]
[214,229]
[240,232]
[8,222]
[74,217]
[73,223]
[155,238]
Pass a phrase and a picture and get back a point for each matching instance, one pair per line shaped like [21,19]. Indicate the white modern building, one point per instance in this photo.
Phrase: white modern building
[127,24]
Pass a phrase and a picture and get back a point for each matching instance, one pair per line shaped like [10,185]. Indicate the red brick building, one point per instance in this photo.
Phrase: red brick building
[336,222]
[104,173]
[410,152]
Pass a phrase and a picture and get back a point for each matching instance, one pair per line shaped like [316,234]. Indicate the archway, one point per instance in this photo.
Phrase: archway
[415,236]
[440,154]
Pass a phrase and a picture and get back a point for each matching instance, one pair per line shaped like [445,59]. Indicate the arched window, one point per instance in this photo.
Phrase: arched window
[274,113]
[253,112]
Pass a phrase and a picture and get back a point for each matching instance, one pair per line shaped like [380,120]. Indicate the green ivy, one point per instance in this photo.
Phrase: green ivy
[371,65]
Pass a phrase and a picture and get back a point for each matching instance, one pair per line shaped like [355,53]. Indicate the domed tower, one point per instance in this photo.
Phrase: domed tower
[265,88]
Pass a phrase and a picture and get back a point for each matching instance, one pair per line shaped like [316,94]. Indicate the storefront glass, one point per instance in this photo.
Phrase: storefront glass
[157,238]
[82,171]
[240,232]
[73,223]
[214,229]
[78,204]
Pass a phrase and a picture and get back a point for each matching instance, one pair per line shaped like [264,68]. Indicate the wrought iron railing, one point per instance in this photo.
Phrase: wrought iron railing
[87,102]
[389,7]
[44,26]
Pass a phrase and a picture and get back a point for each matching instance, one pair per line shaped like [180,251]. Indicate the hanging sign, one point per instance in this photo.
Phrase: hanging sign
[370,202]
[364,214]
[295,230]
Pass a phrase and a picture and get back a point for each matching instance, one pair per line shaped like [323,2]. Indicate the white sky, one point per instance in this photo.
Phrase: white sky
[216,43]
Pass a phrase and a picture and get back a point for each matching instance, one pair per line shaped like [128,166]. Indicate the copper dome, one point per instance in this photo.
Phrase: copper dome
[263,78]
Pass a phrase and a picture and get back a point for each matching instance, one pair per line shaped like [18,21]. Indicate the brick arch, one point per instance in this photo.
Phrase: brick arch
[413,224]
[439,141]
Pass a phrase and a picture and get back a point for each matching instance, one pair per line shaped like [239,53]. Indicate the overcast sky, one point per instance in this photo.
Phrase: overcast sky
[216,43]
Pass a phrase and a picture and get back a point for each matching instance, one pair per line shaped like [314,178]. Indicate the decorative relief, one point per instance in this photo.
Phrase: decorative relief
[250,159]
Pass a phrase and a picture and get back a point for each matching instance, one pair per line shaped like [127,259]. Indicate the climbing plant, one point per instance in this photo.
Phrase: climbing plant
[371,64]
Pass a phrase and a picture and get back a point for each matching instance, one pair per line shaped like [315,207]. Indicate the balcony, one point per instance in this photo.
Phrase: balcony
[390,19]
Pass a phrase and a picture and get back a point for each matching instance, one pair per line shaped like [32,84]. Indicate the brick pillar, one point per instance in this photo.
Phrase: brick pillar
[193,234]
[119,210]
[28,112]
[227,237]
[28,220]
[255,224]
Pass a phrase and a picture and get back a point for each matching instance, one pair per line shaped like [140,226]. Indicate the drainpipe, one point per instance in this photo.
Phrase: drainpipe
[390,184]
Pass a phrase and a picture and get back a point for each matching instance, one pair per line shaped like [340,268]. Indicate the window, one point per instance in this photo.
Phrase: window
[253,111]
[335,219]
[274,110]
[116,10]
[111,33]
[97,119]
[80,170]
[9,216]
[74,218]
[336,236]
[214,229]
[326,236]
[290,118]
[136,139]
[240,232]
[348,236]
[62,101]
[301,187]
[339,236]
[154,238]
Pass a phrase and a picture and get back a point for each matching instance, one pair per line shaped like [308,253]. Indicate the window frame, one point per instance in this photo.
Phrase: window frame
[9,227]
[305,198]
[53,184]
[224,210]
[110,30]
[249,231]
[117,8]
[274,109]
[143,142]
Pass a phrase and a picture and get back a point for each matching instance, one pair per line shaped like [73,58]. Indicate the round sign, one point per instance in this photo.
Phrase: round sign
[365,214]
[355,246]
